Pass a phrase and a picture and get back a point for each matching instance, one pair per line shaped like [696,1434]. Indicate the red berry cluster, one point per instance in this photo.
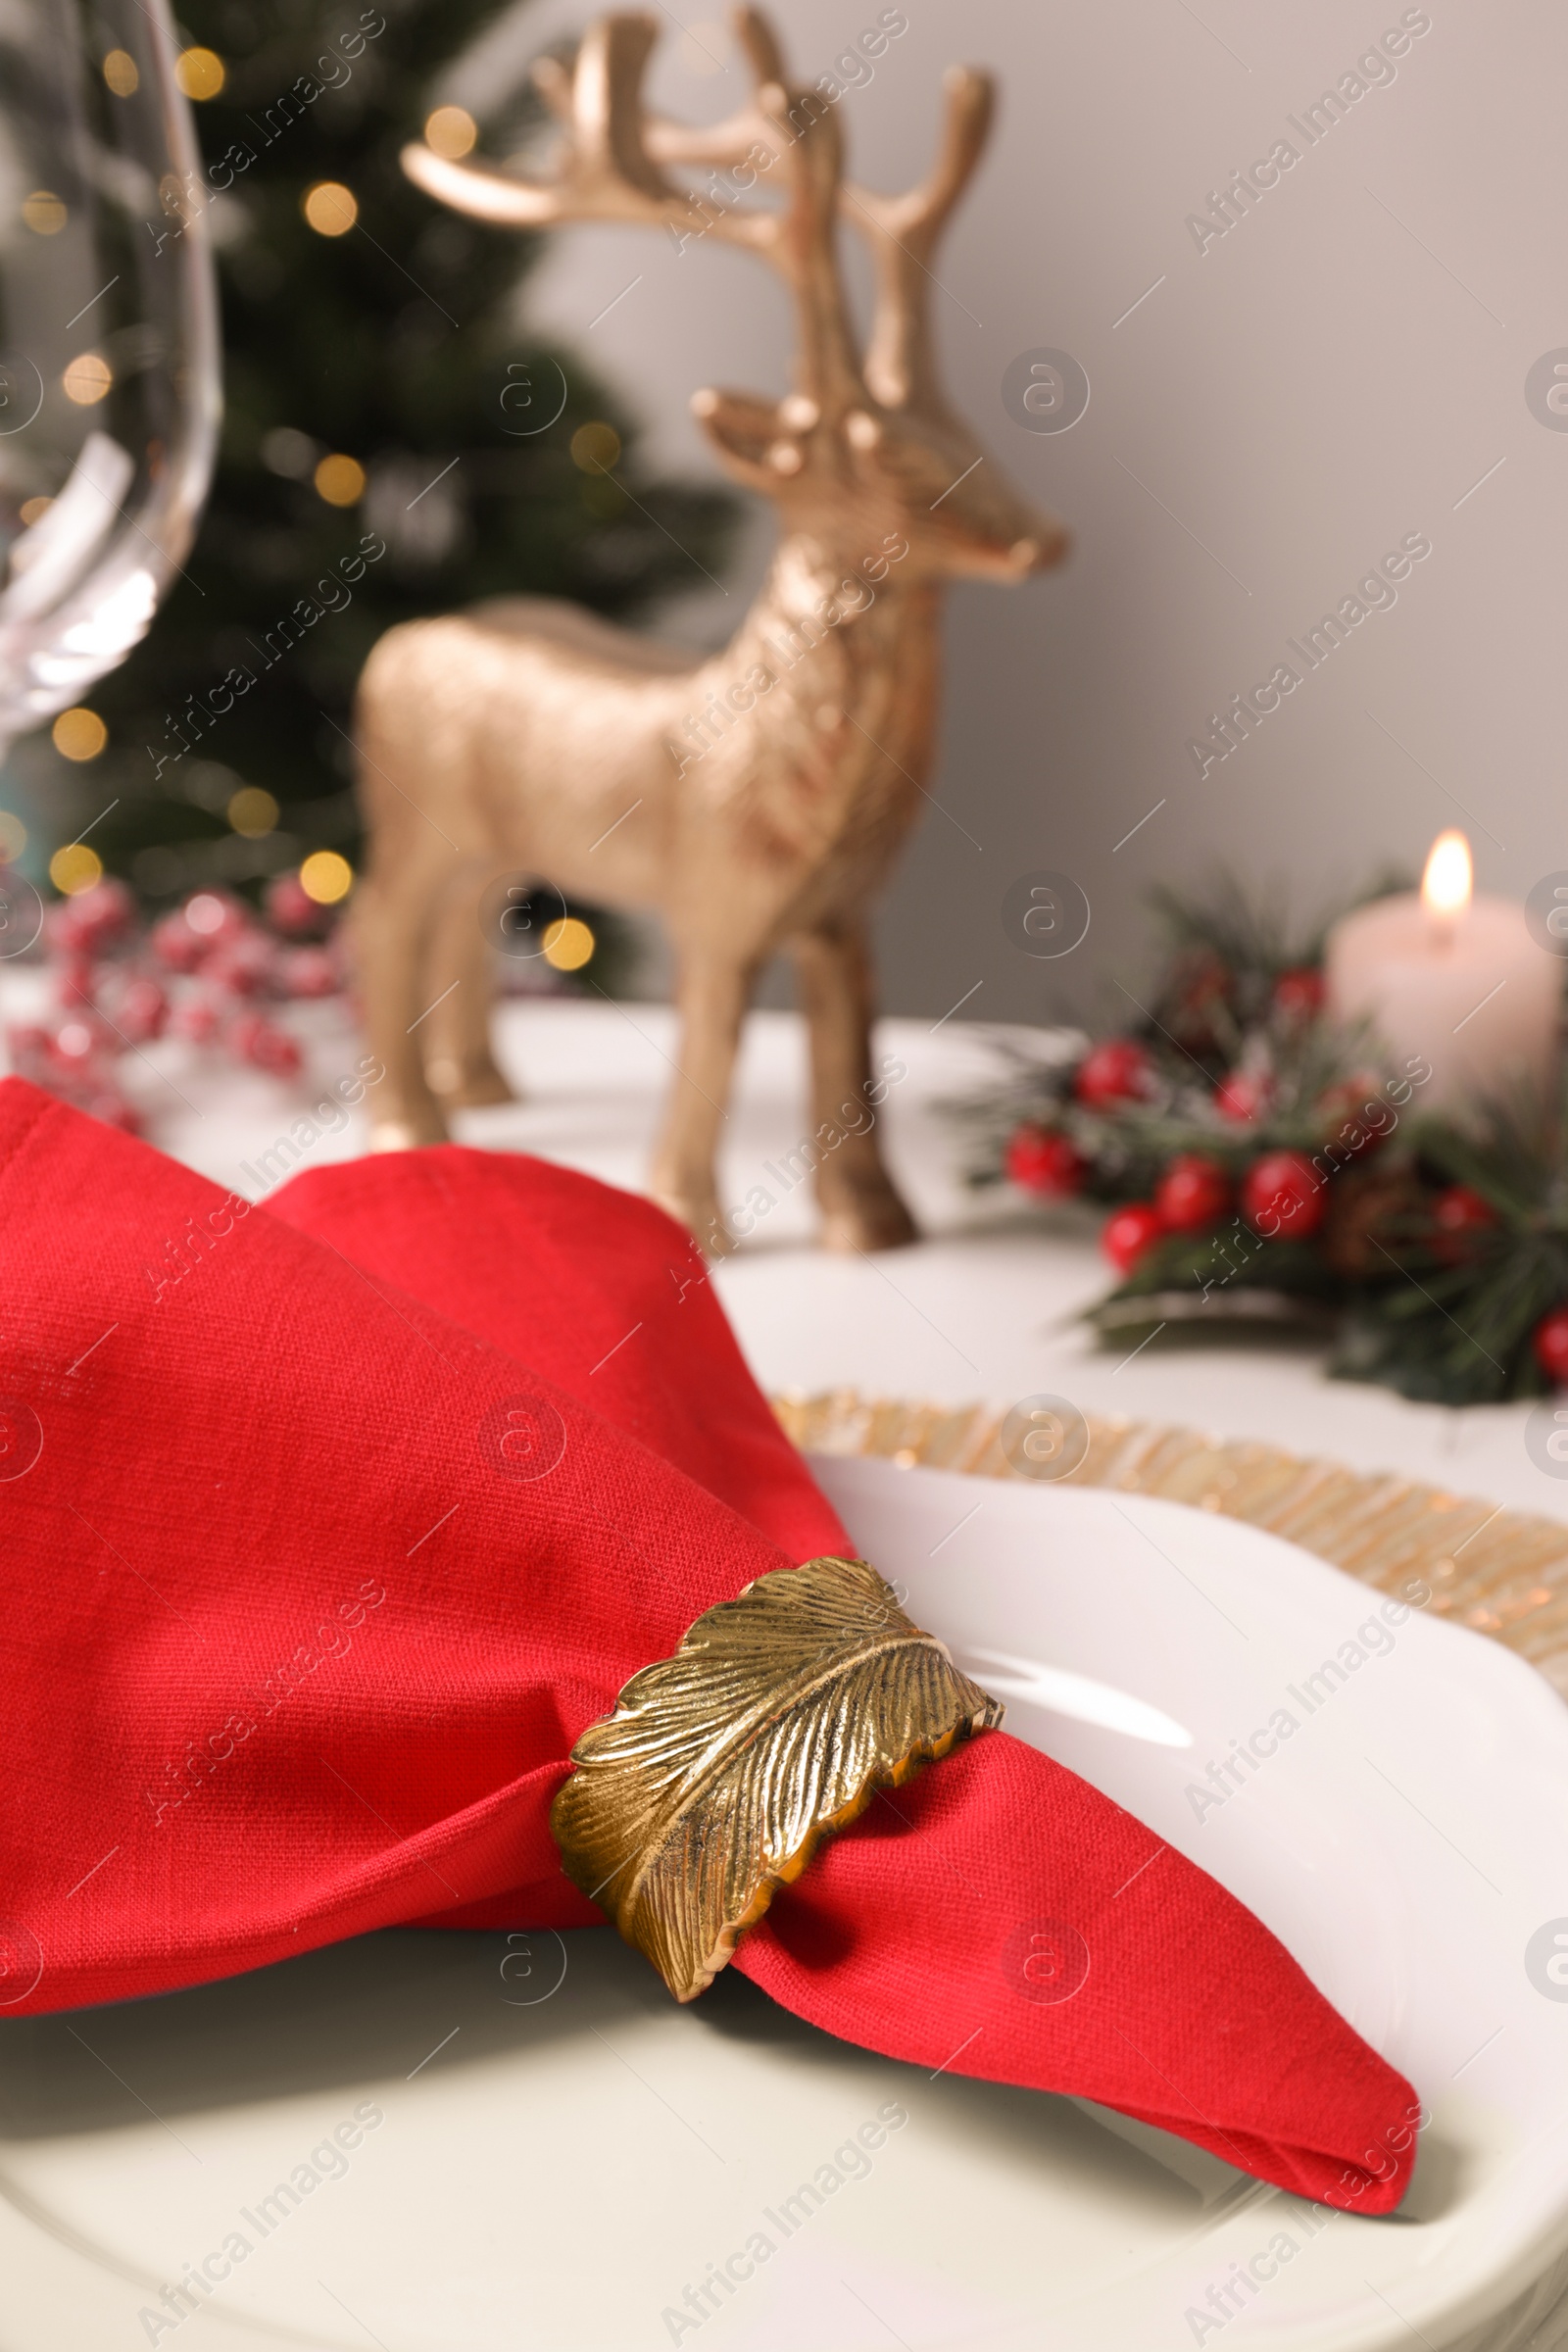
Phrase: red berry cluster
[1459,1216]
[1120,1070]
[204,973]
[1047,1164]
[1280,1194]
[1460,1219]
[1038,1159]
[1551,1342]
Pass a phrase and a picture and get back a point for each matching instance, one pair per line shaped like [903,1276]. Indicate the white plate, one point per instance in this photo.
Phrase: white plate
[562,2152]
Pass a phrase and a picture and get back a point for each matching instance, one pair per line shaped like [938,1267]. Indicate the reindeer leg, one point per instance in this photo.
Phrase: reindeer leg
[861,1207]
[458,1065]
[710,997]
[392,932]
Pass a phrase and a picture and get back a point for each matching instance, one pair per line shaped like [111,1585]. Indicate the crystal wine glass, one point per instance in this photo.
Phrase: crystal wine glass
[109,371]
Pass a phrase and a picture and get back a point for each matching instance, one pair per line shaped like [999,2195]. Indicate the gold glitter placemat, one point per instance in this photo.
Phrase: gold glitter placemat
[1504,1573]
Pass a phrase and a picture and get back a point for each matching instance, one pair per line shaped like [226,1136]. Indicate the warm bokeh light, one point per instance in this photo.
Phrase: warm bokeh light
[568,943]
[286,450]
[33,509]
[44,213]
[330,208]
[79,733]
[87,379]
[253,812]
[340,481]
[205,913]
[13,836]
[199,72]
[594,448]
[75,869]
[1449,880]
[326,877]
[120,71]
[451,132]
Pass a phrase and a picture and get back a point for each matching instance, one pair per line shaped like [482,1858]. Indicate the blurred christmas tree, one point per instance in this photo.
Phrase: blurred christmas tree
[381,386]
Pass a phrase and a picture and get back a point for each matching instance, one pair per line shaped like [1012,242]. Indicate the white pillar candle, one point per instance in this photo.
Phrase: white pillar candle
[1452,978]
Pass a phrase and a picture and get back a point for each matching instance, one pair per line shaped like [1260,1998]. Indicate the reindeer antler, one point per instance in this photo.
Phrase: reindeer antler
[732,140]
[608,169]
[604,171]
[902,232]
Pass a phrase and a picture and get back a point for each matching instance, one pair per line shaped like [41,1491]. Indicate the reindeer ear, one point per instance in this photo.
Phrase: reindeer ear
[751,435]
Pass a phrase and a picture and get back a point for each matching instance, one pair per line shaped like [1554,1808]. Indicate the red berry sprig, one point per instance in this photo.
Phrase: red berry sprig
[204,973]
[1120,1070]
[1283,1197]
[1129,1232]
[1193,1191]
[1044,1163]
[1549,1340]
[1243,1097]
[1459,1216]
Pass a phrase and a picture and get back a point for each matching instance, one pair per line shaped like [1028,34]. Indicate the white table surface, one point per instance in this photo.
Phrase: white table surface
[984,1309]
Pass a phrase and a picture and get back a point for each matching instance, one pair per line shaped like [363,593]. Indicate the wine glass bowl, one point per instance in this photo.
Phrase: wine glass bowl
[109,371]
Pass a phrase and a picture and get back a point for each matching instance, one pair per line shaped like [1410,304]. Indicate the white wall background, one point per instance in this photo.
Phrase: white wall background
[1338,371]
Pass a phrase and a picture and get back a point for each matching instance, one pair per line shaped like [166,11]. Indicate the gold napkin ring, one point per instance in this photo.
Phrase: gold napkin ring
[777,1719]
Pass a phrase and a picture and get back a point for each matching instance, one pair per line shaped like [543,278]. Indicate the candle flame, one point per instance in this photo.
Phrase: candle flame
[1449,877]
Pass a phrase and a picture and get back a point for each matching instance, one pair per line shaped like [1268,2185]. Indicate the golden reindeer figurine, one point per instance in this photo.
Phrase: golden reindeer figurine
[754,799]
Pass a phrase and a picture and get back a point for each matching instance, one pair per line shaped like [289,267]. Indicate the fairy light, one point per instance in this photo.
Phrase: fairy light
[330,208]
[326,877]
[568,943]
[79,733]
[75,868]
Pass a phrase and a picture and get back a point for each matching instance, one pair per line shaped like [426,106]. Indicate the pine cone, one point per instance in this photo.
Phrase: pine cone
[1368,1207]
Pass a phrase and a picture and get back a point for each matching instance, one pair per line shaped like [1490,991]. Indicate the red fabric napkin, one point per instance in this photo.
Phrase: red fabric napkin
[331,1523]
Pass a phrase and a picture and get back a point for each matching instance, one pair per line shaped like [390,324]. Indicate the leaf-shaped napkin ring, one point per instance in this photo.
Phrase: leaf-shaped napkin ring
[774,1723]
